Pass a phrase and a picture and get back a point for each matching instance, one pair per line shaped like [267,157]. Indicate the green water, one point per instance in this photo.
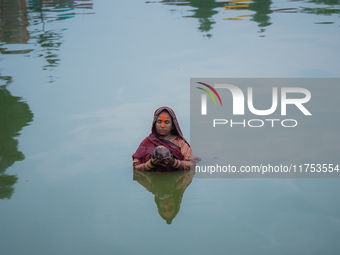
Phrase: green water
[79,82]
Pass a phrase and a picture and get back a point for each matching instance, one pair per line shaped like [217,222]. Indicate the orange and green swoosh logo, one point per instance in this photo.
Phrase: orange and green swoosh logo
[209,93]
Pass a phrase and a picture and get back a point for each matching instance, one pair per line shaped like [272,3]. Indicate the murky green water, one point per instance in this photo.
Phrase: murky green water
[80,81]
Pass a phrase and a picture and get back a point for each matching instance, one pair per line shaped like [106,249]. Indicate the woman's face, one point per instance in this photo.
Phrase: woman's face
[164,124]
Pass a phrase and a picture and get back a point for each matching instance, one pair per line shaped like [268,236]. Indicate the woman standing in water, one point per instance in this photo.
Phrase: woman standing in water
[166,136]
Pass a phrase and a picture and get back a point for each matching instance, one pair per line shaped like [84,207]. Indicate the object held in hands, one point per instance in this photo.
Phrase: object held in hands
[161,153]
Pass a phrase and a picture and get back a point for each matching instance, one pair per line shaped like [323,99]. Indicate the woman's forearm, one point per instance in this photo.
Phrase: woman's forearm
[184,164]
[142,166]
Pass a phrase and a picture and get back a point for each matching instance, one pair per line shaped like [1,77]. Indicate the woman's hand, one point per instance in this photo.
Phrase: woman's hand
[169,161]
[155,161]
[163,162]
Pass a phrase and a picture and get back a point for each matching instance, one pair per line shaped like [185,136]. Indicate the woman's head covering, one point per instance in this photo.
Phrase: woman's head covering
[176,130]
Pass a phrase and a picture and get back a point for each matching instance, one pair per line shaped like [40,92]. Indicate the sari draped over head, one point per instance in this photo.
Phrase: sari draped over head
[153,140]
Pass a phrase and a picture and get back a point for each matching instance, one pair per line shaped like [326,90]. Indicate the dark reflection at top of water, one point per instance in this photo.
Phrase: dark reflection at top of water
[26,23]
[168,189]
[14,115]
[204,10]
[24,29]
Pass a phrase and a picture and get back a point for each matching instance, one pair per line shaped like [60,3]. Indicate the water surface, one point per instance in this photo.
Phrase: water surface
[80,81]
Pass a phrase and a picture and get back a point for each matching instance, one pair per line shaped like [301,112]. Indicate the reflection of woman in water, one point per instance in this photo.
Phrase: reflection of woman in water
[167,133]
[168,189]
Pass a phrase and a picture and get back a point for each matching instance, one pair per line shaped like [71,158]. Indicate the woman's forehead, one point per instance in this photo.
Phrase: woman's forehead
[164,115]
